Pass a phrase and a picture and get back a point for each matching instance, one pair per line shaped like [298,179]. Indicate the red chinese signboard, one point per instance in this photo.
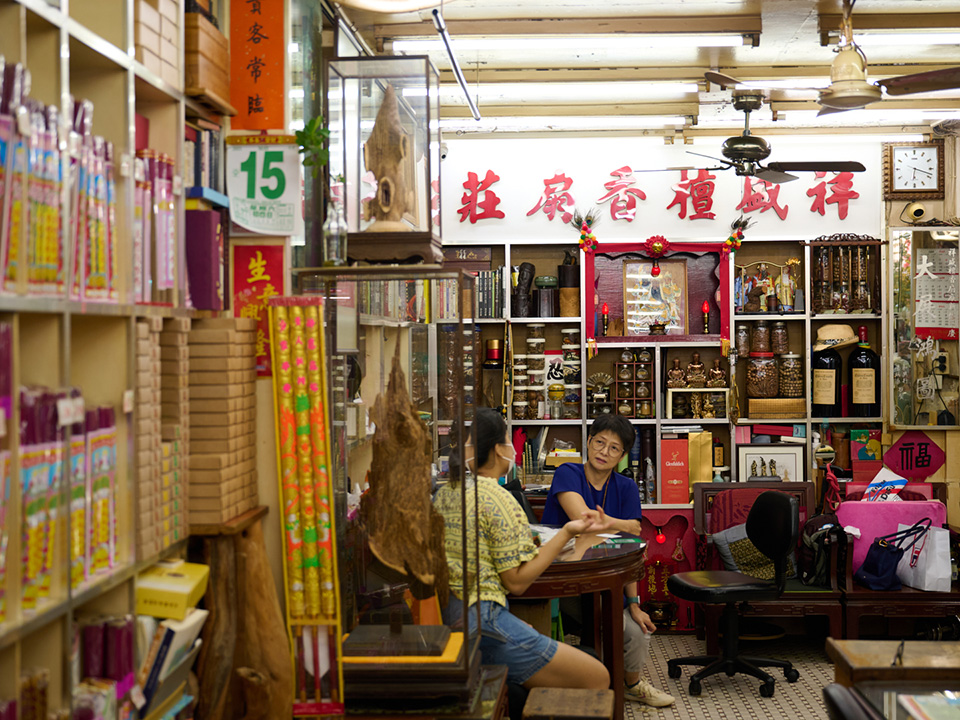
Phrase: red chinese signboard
[914,456]
[257,56]
[258,274]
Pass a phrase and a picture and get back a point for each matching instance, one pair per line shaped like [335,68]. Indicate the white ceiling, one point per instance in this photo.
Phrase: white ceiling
[590,80]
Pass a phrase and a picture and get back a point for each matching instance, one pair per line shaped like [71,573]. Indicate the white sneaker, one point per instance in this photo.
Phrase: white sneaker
[646,693]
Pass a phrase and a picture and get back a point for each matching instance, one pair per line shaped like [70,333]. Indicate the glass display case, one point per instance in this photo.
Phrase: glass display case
[925,300]
[396,347]
[385,155]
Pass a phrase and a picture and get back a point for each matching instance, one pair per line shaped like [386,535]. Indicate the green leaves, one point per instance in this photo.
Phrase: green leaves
[311,141]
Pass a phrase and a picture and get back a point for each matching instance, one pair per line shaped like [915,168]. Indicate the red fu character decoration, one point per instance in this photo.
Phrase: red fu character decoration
[656,246]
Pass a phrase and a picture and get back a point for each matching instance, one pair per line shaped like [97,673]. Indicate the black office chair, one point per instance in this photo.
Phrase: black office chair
[773,526]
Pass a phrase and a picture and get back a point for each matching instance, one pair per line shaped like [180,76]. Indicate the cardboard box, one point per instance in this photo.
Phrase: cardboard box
[174,395]
[214,392]
[243,325]
[674,471]
[174,352]
[174,367]
[222,446]
[170,74]
[224,405]
[220,364]
[177,324]
[210,461]
[173,337]
[222,432]
[866,453]
[146,13]
[229,377]
[222,419]
[700,456]
[143,330]
[170,588]
[209,351]
[146,37]
[205,238]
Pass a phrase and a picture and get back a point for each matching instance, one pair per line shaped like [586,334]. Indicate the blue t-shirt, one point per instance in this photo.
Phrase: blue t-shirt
[622,496]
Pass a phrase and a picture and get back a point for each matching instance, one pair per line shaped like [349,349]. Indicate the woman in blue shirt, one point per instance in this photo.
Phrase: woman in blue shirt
[596,485]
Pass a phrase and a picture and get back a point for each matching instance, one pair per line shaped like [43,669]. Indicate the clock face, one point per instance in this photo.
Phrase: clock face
[915,168]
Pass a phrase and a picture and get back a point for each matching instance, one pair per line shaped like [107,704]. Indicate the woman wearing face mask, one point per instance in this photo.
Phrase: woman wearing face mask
[509,563]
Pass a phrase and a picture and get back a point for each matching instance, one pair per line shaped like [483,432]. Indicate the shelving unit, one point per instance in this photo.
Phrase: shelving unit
[80,49]
[802,328]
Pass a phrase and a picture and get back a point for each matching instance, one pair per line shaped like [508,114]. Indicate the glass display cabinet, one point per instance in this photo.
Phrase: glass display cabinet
[396,345]
[385,155]
[925,300]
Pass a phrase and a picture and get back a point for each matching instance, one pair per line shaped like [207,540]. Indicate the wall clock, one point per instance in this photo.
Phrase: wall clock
[913,170]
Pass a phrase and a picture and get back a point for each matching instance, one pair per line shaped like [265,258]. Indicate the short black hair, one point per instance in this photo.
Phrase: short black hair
[488,430]
[616,424]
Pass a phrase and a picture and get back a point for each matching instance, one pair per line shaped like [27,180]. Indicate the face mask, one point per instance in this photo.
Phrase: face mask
[511,460]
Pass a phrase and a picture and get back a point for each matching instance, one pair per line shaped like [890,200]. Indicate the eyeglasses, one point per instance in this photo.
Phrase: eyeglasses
[598,445]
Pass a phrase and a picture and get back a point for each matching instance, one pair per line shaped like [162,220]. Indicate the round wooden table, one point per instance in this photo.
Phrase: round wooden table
[602,569]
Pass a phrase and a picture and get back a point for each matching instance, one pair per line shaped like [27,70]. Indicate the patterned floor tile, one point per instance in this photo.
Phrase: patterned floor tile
[738,697]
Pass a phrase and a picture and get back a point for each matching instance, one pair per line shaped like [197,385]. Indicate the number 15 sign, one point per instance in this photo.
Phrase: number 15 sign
[263,181]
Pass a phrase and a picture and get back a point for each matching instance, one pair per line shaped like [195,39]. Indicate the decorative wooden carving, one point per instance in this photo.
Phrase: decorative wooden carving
[386,154]
[405,532]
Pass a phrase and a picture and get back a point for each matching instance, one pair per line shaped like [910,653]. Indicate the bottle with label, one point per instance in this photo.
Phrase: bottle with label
[827,374]
[864,379]
[717,452]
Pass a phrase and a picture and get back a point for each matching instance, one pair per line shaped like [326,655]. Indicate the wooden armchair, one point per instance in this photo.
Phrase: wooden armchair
[718,506]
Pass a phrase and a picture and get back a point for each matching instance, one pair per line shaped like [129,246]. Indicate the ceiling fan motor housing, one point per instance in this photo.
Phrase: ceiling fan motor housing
[745,147]
[848,82]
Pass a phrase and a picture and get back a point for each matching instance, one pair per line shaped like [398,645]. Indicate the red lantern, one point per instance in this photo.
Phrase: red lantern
[655,270]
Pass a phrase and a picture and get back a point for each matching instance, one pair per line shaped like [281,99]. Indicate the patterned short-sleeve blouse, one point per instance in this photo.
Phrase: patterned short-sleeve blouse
[505,538]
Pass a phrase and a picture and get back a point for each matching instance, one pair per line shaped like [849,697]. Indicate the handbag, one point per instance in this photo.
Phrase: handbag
[927,564]
[874,519]
[879,568]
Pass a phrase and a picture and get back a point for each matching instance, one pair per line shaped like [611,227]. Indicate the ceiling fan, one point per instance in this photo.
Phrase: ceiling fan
[745,152]
[849,88]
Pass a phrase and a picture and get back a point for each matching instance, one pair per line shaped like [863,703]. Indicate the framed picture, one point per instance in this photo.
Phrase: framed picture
[782,463]
[661,299]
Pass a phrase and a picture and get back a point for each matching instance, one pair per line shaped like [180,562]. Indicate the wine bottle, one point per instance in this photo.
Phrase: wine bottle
[864,379]
[827,374]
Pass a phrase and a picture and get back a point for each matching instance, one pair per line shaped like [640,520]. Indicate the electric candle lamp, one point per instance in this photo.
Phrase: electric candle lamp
[605,312]
[706,317]
[660,537]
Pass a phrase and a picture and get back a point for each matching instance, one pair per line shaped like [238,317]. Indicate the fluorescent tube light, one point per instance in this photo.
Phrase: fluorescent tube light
[568,93]
[912,39]
[583,43]
[568,122]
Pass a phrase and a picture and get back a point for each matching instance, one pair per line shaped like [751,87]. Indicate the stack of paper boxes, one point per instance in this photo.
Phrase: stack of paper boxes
[156,34]
[174,429]
[148,435]
[223,461]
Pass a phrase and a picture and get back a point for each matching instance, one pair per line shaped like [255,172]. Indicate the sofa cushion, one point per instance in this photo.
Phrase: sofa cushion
[740,555]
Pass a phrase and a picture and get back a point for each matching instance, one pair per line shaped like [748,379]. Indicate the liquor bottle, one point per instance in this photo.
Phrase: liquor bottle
[864,379]
[827,374]
[717,452]
[335,235]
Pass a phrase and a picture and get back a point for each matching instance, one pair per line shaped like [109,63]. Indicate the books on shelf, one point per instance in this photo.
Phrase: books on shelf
[171,642]
[203,155]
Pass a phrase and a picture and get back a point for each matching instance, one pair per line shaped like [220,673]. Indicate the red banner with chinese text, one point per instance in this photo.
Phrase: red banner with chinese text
[257,277]
[257,57]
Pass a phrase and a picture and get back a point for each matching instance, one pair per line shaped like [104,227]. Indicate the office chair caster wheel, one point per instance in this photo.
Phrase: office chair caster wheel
[694,687]
[673,671]
[791,675]
[766,690]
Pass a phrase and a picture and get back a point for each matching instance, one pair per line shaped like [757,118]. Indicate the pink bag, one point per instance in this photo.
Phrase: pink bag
[874,519]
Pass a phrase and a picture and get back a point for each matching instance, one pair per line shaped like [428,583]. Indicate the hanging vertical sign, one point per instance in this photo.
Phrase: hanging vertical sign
[258,274]
[257,70]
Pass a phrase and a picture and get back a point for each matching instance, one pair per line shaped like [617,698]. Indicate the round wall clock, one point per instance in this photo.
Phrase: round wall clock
[913,170]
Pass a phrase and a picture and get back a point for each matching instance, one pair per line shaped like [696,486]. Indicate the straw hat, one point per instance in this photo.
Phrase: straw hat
[834,336]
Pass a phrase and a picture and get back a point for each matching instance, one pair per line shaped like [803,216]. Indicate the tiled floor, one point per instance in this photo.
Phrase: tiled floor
[738,697]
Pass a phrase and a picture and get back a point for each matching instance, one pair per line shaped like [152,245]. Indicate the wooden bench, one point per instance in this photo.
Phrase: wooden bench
[798,600]
[568,704]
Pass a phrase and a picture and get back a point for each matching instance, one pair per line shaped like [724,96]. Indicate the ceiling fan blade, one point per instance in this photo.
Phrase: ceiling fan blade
[773,176]
[826,110]
[724,81]
[815,166]
[945,79]
[726,163]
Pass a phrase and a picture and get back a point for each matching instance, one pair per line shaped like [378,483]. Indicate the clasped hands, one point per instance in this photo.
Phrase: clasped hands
[590,521]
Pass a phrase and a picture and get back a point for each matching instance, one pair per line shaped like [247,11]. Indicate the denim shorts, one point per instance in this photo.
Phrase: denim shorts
[506,640]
